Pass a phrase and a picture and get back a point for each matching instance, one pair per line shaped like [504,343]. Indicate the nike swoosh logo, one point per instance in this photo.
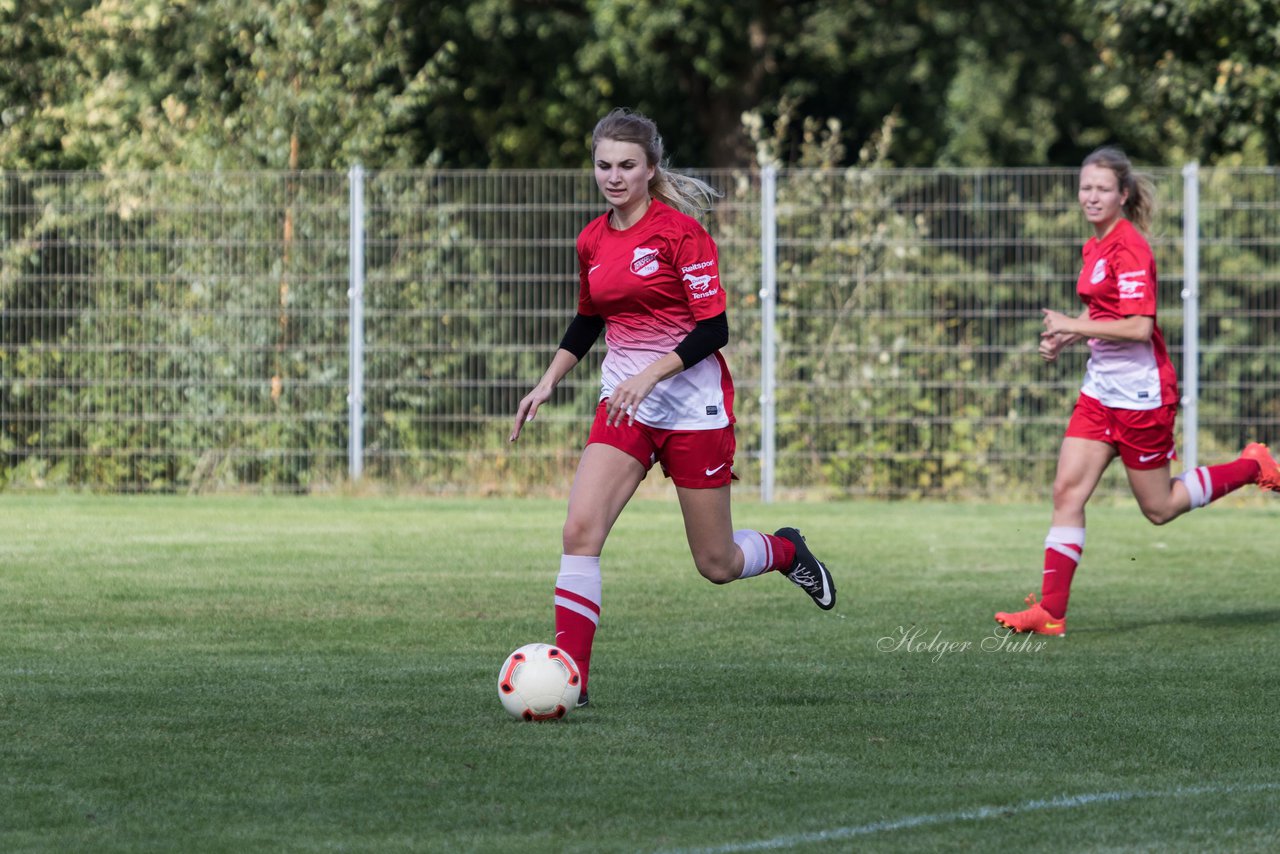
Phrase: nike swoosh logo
[1053,625]
[710,472]
[593,269]
[1146,458]
[558,634]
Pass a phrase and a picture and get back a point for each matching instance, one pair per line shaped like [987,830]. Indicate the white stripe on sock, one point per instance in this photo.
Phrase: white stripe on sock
[1066,536]
[1074,554]
[577,608]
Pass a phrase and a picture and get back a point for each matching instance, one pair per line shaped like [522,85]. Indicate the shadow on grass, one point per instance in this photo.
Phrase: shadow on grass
[1225,620]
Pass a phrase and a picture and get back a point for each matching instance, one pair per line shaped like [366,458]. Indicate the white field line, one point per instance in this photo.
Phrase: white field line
[977,814]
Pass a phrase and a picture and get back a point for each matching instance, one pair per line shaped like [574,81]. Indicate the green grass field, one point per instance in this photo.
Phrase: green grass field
[288,674]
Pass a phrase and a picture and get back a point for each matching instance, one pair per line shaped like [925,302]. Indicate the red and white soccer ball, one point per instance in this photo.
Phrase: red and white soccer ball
[539,682]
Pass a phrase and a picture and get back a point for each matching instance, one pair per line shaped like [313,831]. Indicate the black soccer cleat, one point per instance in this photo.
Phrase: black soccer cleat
[582,700]
[808,573]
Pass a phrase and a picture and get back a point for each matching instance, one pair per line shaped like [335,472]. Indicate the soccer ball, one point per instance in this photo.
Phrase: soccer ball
[539,682]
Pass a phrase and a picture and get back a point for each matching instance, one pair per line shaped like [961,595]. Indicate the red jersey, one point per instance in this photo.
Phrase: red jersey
[1118,279]
[652,283]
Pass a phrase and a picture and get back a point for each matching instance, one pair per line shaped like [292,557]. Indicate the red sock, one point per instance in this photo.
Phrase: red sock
[783,551]
[1062,551]
[575,634]
[577,606]
[763,552]
[1209,483]
[1228,477]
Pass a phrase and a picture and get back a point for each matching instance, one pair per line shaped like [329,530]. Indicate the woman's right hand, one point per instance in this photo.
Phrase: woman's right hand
[561,363]
[1050,346]
[528,408]
[1053,343]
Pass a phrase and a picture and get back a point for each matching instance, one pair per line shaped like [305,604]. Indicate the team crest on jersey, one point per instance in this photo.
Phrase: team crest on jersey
[645,261]
[1099,271]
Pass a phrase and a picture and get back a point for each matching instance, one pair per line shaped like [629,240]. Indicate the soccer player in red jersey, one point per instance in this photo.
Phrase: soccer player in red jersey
[649,277]
[1129,399]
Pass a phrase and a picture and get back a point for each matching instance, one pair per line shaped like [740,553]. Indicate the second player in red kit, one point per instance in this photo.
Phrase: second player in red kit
[1129,399]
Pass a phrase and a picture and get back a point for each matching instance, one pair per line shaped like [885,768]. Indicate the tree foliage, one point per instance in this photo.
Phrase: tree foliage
[196,229]
[240,84]
[1197,78]
[230,84]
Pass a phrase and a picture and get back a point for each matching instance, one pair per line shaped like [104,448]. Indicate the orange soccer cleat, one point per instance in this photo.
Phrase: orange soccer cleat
[1034,619]
[1269,477]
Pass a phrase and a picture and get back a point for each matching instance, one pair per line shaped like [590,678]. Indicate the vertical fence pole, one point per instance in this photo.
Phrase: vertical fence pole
[355,331]
[768,335]
[1190,314]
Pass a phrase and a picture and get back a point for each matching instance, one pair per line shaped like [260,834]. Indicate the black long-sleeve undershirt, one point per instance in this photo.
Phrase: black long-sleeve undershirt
[705,338]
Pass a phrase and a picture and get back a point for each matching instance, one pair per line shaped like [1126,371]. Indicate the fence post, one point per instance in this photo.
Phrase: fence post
[1190,314]
[355,330]
[768,335]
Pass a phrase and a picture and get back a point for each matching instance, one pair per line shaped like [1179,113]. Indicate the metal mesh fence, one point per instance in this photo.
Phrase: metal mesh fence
[911,312]
[168,332]
[1239,240]
[193,332]
[470,283]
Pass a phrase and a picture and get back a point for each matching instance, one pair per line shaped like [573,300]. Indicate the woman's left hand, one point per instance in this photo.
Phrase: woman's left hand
[626,399]
[627,395]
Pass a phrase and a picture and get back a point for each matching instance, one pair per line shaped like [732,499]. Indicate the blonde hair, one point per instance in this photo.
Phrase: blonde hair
[1140,204]
[682,192]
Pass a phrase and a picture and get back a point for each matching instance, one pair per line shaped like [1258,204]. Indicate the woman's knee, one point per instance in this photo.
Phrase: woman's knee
[582,535]
[718,569]
[1161,515]
[1068,496]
